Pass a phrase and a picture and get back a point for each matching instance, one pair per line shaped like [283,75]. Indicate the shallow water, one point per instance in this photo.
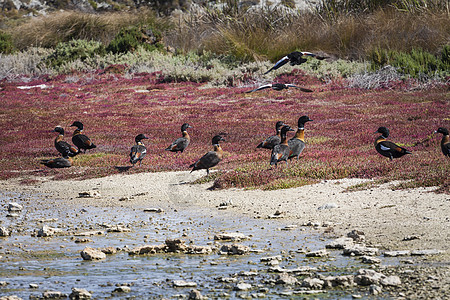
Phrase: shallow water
[56,264]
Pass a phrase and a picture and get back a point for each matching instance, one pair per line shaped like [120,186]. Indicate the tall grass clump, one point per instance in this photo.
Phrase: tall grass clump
[6,44]
[130,38]
[415,63]
[48,31]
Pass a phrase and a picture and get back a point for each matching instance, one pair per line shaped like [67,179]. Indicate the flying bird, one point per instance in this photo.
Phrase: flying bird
[64,147]
[138,151]
[181,143]
[387,148]
[59,162]
[445,142]
[79,139]
[297,143]
[281,151]
[211,158]
[272,140]
[295,58]
[279,87]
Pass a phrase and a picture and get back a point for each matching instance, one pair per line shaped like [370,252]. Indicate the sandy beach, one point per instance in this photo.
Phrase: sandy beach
[414,219]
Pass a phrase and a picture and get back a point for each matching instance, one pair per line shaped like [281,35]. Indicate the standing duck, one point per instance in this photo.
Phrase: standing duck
[281,151]
[445,142]
[64,147]
[59,162]
[79,139]
[387,148]
[181,143]
[211,158]
[297,143]
[273,140]
[138,151]
[294,58]
[279,87]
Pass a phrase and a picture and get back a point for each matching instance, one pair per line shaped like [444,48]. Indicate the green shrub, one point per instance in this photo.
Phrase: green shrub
[130,38]
[6,44]
[73,50]
[415,63]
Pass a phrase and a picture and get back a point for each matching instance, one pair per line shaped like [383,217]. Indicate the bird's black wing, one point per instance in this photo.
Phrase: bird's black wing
[266,86]
[279,64]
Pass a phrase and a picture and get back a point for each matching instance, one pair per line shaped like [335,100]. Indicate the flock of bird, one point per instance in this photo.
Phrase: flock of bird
[282,149]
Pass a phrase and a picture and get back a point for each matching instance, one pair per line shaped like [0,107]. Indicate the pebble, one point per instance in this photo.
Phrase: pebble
[154,210]
[340,243]
[328,206]
[47,231]
[122,289]
[79,294]
[318,253]
[235,249]
[89,194]
[4,232]
[426,252]
[14,207]
[182,283]
[233,236]
[397,253]
[89,253]
[243,287]
[370,260]
[360,250]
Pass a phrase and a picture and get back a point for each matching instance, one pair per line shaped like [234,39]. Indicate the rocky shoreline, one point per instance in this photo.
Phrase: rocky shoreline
[401,263]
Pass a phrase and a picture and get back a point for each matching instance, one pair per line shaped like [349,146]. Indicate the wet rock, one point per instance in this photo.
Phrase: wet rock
[122,289]
[12,297]
[426,252]
[153,210]
[277,215]
[4,232]
[89,253]
[289,227]
[33,286]
[340,243]
[397,253]
[328,206]
[175,245]
[357,235]
[285,278]
[367,277]
[118,228]
[147,249]
[313,283]
[79,294]
[90,233]
[300,270]
[343,280]
[227,279]
[89,194]
[410,238]
[182,283]
[12,215]
[370,260]
[109,250]
[360,250]
[233,236]
[85,240]
[391,281]
[234,249]
[318,253]
[375,289]
[3,283]
[271,258]
[53,295]
[14,207]
[195,295]
[46,231]
[243,286]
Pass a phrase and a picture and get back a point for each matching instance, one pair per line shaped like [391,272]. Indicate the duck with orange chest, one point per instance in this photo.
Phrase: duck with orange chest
[387,148]
[62,146]
[80,140]
[181,143]
[59,162]
[445,141]
[211,158]
[272,140]
[139,150]
[297,143]
[281,152]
